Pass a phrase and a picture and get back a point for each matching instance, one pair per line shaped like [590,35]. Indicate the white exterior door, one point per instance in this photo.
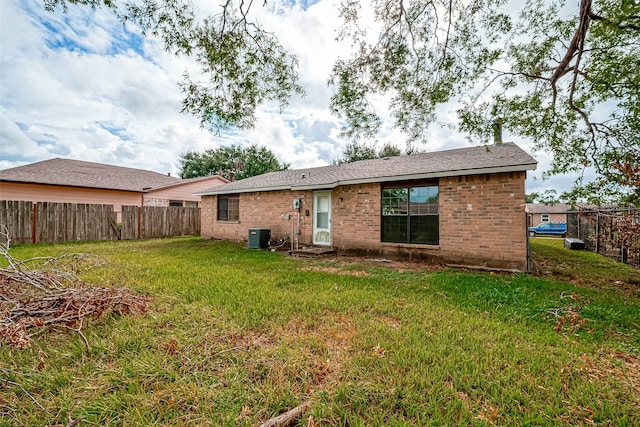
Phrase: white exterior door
[322,218]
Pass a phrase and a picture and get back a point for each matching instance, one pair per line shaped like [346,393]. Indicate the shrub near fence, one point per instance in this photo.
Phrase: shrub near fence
[29,222]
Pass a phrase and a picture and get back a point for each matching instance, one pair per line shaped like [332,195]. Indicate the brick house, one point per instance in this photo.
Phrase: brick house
[74,181]
[463,206]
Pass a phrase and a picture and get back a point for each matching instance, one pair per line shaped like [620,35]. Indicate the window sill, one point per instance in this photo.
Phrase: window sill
[410,245]
[227,222]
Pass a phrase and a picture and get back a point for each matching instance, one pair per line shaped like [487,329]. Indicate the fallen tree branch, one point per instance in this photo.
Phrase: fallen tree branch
[13,383]
[51,295]
[288,417]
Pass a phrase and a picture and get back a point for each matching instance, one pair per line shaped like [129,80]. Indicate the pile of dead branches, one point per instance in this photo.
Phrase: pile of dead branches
[39,294]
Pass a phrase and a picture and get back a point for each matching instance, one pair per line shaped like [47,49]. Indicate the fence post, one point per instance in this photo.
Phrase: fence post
[527,221]
[597,232]
[34,222]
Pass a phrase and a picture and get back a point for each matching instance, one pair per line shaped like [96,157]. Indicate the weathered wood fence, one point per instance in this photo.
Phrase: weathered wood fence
[29,222]
[152,221]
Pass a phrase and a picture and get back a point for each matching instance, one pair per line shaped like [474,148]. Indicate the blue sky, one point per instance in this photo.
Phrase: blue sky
[81,85]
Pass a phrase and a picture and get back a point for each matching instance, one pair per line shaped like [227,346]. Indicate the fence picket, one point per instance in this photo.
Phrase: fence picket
[17,217]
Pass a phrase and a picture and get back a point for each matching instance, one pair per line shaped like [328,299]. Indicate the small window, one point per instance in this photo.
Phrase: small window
[189,204]
[544,217]
[228,208]
[175,203]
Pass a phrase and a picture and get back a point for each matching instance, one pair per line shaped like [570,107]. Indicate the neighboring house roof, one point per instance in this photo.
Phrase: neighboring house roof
[506,157]
[76,173]
[589,207]
[188,181]
[541,208]
[562,208]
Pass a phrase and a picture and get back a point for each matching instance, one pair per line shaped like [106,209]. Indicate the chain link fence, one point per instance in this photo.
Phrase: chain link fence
[611,232]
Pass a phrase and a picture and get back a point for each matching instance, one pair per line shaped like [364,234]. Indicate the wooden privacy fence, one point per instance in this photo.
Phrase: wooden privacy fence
[29,222]
[152,221]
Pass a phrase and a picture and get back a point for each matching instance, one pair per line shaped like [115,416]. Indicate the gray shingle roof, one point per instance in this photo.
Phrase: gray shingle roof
[561,208]
[507,157]
[77,173]
[540,208]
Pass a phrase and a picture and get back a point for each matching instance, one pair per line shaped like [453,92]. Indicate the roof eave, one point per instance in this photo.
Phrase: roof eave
[185,182]
[392,178]
[15,181]
[242,190]
[418,176]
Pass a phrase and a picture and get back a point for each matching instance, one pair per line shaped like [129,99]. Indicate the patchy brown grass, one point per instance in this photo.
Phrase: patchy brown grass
[333,269]
[358,266]
[238,337]
[622,367]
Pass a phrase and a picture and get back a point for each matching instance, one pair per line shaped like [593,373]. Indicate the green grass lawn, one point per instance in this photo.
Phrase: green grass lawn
[237,336]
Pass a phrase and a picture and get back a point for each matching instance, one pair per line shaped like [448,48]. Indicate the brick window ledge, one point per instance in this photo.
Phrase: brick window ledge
[409,245]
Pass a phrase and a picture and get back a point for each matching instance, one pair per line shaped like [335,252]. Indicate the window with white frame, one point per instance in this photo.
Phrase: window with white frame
[229,207]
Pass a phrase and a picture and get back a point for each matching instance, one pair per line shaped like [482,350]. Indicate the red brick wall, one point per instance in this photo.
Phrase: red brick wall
[262,210]
[482,220]
[356,217]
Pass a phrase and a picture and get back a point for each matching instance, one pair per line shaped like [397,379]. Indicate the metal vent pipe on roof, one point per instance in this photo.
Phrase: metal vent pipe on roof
[497,131]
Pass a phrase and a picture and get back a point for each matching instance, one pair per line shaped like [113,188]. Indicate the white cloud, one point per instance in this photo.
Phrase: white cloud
[70,94]
[14,142]
[79,85]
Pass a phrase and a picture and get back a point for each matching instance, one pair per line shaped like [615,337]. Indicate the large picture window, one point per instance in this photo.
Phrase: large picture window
[411,215]
[228,208]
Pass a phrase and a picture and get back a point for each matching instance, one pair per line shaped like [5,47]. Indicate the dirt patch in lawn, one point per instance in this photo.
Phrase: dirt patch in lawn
[336,270]
[357,266]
